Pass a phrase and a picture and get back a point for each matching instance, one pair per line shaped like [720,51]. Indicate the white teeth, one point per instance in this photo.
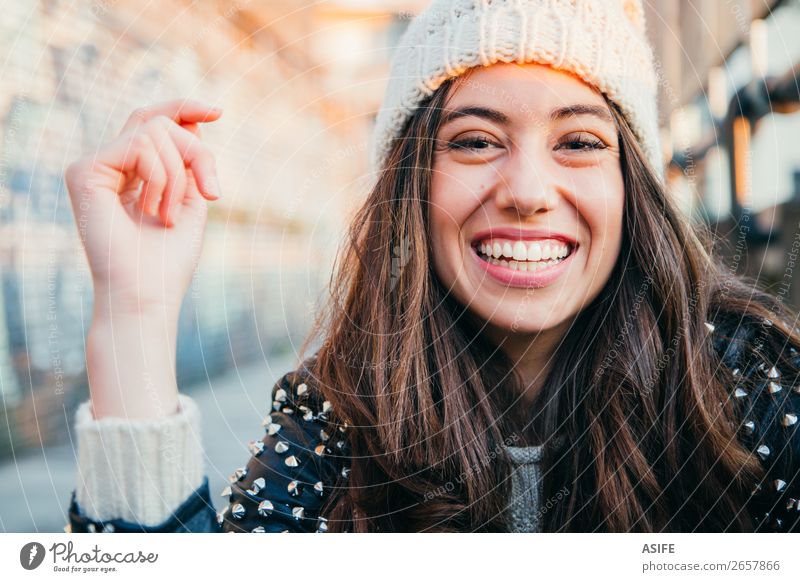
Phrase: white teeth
[520,251]
[524,251]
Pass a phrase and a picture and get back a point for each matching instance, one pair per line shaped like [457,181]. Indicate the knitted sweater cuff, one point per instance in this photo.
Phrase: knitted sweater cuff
[137,470]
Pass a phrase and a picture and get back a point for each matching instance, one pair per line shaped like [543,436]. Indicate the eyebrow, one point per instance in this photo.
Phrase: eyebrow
[501,118]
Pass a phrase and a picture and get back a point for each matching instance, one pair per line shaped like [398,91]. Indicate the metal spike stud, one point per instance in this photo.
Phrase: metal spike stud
[258,529]
[789,419]
[237,474]
[273,428]
[323,435]
[294,488]
[773,373]
[326,407]
[281,447]
[318,488]
[740,393]
[749,427]
[258,485]
[302,389]
[709,326]
[774,387]
[291,461]
[237,511]
[226,492]
[280,395]
[763,451]
[265,508]
[256,447]
[779,485]
[297,513]
[322,525]
[267,420]
[319,450]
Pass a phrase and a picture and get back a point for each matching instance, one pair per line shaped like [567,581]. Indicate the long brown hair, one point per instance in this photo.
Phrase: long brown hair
[637,387]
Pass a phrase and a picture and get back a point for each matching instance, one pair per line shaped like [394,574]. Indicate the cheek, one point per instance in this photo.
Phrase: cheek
[453,200]
[603,213]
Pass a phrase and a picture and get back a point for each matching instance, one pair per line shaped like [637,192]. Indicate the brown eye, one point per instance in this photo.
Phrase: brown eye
[471,144]
[585,142]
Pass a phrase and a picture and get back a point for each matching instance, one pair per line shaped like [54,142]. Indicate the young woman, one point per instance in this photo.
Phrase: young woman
[524,334]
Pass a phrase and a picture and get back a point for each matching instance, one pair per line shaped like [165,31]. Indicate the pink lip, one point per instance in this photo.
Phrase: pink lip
[539,278]
[521,234]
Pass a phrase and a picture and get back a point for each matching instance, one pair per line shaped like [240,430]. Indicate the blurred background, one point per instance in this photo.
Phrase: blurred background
[300,83]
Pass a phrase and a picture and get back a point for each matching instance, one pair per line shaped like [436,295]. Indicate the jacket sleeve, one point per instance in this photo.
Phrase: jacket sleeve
[292,470]
[767,394]
[774,412]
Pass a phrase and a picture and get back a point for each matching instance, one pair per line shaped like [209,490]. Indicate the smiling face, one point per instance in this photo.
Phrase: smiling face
[526,197]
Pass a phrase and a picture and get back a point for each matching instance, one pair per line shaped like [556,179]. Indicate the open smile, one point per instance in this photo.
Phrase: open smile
[524,263]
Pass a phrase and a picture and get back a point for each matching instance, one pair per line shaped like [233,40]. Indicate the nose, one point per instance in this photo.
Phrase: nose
[527,185]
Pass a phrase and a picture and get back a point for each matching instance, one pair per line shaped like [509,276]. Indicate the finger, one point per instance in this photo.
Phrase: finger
[179,110]
[147,164]
[193,128]
[199,158]
[175,169]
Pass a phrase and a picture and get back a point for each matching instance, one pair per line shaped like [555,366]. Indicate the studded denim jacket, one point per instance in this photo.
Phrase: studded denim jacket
[302,458]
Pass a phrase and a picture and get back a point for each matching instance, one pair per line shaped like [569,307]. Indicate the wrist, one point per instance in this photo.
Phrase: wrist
[131,365]
[109,308]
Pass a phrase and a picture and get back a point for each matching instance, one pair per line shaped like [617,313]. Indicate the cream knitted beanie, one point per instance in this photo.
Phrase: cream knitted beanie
[601,41]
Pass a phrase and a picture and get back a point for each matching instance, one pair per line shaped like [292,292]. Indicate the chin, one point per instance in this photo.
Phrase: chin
[518,318]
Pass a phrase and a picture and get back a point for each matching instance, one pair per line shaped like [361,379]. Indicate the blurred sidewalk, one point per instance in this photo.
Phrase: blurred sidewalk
[35,489]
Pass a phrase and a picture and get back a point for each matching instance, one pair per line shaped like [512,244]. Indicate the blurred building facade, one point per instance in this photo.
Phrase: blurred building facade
[300,83]
[728,78]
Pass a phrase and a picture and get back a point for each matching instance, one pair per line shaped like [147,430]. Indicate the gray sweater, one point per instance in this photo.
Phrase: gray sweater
[525,505]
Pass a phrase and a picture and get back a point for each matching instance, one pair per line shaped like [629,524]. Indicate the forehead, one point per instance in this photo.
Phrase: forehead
[515,86]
